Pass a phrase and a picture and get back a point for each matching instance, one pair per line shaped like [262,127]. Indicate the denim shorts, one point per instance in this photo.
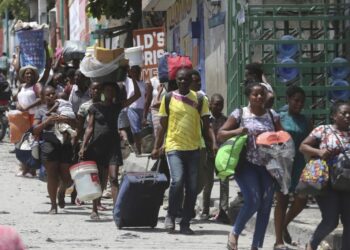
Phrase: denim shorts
[135,119]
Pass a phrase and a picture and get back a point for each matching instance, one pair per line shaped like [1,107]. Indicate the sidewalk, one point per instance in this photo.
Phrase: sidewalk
[300,229]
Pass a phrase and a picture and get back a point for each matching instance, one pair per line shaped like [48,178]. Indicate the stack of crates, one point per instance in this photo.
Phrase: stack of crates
[297,45]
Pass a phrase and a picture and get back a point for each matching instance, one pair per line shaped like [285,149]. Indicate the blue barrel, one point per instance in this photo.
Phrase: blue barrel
[343,95]
[339,72]
[287,50]
[286,74]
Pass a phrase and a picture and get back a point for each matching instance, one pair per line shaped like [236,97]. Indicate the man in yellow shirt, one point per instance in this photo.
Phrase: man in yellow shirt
[181,122]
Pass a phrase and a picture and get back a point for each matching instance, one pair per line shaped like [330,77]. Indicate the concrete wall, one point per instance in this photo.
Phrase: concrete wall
[215,51]
[215,44]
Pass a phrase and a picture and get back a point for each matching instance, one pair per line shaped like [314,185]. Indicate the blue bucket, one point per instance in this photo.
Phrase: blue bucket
[343,95]
[286,74]
[287,50]
[339,72]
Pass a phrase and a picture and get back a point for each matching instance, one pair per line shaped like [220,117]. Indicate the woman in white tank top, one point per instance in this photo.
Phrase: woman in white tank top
[28,96]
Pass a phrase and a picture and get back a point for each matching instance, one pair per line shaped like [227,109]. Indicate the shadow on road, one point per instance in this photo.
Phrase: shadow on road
[211,232]
[144,230]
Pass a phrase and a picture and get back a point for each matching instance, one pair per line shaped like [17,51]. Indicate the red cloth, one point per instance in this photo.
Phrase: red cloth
[10,239]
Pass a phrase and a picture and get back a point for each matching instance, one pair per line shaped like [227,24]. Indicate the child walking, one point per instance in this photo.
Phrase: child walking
[217,119]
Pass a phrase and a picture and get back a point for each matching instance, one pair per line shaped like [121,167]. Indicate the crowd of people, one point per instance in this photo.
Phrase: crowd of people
[77,119]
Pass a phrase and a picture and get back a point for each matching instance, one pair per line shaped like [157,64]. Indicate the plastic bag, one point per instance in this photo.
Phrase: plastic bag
[280,162]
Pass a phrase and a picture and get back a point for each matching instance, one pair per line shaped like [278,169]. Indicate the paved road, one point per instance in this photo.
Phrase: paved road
[24,205]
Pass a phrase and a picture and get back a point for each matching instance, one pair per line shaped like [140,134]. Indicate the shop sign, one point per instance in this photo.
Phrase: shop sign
[153,42]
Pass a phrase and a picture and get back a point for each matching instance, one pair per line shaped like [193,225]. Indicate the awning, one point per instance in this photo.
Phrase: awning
[156,5]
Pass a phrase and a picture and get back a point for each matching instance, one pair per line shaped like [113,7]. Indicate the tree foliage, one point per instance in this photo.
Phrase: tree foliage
[115,9]
[17,9]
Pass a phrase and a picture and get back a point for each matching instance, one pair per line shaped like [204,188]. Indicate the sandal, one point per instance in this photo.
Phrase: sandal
[94,216]
[280,247]
[288,239]
[308,246]
[53,210]
[19,174]
[101,208]
[230,244]
[78,202]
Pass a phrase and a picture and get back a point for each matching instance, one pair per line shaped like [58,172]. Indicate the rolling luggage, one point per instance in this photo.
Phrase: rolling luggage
[139,199]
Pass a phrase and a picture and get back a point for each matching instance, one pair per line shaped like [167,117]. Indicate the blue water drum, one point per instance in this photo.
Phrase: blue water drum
[287,50]
[343,95]
[286,74]
[339,72]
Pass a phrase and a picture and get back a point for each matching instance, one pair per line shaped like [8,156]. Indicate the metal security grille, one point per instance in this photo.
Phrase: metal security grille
[296,45]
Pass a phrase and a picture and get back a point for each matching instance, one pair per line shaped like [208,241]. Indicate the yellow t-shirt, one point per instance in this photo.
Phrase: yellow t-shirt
[184,123]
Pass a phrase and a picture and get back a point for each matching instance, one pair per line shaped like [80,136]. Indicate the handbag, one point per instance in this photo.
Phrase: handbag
[340,169]
[314,178]
[27,151]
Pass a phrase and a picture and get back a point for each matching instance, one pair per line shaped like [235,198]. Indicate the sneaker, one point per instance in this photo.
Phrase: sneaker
[186,231]
[178,220]
[29,175]
[169,223]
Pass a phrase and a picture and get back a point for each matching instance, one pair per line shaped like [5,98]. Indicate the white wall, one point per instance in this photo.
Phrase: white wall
[42,10]
[215,51]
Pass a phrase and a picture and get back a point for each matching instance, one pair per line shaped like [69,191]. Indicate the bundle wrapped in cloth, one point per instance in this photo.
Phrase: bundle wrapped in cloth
[279,148]
[101,64]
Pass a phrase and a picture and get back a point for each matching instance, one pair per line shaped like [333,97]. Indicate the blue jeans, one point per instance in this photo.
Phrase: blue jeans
[333,205]
[183,166]
[257,187]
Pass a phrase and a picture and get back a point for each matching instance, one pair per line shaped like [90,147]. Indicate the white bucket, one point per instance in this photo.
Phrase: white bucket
[135,55]
[86,180]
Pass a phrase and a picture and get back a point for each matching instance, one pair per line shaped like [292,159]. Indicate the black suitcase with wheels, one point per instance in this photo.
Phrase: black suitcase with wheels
[139,199]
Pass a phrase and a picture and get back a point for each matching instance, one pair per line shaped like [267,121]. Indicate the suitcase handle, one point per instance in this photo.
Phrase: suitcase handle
[158,164]
[150,177]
